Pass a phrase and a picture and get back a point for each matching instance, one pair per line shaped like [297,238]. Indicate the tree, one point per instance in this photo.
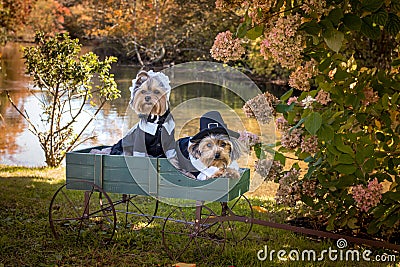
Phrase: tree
[343,125]
[66,84]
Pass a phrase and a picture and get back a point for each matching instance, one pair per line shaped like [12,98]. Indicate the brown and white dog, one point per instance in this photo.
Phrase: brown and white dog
[153,135]
[213,151]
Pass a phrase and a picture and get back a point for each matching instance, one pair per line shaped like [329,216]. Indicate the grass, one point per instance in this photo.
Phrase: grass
[26,238]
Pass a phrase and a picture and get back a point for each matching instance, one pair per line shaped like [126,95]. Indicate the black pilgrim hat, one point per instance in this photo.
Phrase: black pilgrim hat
[212,123]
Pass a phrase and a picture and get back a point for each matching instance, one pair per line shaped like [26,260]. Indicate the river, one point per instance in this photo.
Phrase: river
[18,146]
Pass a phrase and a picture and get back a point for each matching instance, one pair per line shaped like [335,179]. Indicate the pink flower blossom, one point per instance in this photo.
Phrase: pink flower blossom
[323,97]
[315,6]
[310,144]
[282,42]
[291,100]
[281,124]
[370,96]
[291,139]
[270,170]
[227,48]
[249,139]
[289,191]
[300,78]
[369,196]
[261,107]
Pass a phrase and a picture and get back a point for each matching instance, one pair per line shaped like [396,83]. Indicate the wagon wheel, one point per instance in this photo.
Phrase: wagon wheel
[78,216]
[184,237]
[139,211]
[237,230]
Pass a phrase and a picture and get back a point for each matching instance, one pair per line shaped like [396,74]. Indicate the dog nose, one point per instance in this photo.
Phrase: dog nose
[217,155]
[147,98]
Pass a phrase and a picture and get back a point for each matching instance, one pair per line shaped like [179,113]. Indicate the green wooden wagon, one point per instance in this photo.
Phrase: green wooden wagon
[84,209]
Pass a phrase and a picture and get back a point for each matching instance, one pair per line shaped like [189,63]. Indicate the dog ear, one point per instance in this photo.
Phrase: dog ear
[141,77]
[194,149]
[237,148]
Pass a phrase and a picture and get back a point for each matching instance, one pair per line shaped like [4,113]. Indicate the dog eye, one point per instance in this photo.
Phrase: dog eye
[209,145]
[223,144]
[156,92]
[143,91]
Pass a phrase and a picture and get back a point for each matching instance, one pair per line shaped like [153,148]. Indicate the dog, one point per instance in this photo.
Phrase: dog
[218,152]
[153,135]
[213,151]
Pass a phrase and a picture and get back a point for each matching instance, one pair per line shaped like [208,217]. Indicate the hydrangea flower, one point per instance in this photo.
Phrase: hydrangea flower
[249,139]
[291,139]
[270,170]
[309,144]
[289,191]
[367,197]
[261,107]
[323,97]
[226,48]
[300,78]
[282,43]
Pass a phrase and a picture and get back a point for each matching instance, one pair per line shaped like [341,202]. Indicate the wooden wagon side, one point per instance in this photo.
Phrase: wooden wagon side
[147,176]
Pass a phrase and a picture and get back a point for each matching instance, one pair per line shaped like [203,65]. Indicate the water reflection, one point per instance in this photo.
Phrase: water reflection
[18,146]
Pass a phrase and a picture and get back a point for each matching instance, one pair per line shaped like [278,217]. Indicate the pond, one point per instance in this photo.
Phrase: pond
[18,146]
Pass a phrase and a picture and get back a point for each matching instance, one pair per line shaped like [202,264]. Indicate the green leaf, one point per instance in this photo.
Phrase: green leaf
[345,168]
[333,39]
[255,32]
[311,27]
[241,30]
[325,64]
[335,16]
[364,153]
[345,159]
[380,17]
[393,24]
[283,108]
[393,195]
[313,122]
[342,147]
[280,157]
[353,22]
[351,223]
[369,30]
[371,5]
[286,95]
[373,228]
[326,132]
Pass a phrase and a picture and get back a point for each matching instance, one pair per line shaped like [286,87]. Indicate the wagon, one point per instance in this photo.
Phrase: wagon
[84,209]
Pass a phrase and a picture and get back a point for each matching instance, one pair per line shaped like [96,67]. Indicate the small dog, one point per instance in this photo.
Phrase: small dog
[218,151]
[153,135]
[212,152]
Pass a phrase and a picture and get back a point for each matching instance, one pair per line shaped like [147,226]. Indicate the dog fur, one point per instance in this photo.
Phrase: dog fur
[218,150]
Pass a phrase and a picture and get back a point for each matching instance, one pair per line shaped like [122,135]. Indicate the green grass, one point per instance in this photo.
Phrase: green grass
[26,238]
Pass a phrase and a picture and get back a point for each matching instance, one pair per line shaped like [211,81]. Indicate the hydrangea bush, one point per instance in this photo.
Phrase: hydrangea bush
[341,119]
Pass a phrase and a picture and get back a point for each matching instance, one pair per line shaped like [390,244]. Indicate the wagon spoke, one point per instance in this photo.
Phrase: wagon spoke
[77,215]
[237,231]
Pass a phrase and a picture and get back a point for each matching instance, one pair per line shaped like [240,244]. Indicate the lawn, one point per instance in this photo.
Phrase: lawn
[26,238]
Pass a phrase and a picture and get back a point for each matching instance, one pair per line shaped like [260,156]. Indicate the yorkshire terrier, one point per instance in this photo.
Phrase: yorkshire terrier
[153,135]
[212,152]
[218,152]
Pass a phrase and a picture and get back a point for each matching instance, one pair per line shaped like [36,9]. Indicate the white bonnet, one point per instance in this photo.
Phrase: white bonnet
[159,76]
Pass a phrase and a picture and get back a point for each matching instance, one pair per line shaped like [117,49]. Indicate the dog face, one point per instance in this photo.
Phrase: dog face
[149,97]
[216,150]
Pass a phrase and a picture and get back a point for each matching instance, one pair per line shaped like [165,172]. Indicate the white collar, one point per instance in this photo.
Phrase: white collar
[151,128]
